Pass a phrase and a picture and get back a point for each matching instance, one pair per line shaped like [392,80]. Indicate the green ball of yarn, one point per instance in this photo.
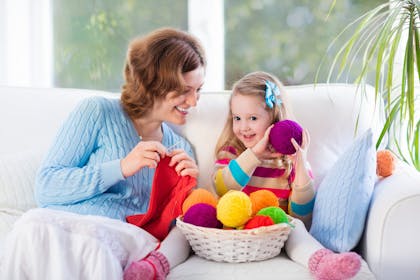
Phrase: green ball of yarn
[275,213]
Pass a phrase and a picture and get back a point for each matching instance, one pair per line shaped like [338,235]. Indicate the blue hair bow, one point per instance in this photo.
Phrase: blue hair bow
[271,93]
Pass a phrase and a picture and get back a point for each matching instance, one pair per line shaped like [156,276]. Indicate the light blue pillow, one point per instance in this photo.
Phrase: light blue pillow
[343,197]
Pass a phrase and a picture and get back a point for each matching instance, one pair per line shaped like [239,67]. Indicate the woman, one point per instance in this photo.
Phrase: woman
[102,164]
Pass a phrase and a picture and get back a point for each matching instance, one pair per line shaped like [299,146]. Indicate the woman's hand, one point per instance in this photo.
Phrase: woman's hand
[263,149]
[184,164]
[145,153]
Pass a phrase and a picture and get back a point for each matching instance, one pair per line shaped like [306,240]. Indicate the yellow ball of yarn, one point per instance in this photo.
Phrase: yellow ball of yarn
[234,209]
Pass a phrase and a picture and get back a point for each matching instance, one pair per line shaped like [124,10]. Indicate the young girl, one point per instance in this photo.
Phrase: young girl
[246,161]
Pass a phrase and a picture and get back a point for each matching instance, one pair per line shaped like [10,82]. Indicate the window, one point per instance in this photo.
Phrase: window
[91,37]
[82,44]
[288,38]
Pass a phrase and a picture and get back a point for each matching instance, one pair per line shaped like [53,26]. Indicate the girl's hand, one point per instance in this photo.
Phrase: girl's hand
[145,153]
[299,160]
[263,149]
[184,164]
[301,151]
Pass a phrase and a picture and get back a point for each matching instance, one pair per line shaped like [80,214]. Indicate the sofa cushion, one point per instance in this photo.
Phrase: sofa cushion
[343,197]
[17,178]
[280,267]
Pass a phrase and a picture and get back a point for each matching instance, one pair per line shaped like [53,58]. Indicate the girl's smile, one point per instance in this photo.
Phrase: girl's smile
[250,119]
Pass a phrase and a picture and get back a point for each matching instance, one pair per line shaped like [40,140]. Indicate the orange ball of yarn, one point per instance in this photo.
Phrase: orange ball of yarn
[198,196]
[385,163]
[261,199]
[259,221]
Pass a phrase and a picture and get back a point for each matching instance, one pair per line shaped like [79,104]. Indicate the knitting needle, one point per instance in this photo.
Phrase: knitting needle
[170,148]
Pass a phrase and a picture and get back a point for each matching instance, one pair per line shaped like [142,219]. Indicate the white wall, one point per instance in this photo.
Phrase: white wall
[26,43]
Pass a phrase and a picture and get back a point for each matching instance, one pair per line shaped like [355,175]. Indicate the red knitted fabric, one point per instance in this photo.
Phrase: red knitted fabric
[168,193]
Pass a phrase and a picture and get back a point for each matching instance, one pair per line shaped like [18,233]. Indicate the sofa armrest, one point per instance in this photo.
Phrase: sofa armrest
[390,243]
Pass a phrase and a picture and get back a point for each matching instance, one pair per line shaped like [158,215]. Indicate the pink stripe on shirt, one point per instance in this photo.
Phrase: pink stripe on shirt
[268,172]
[284,194]
[229,149]
[223,161]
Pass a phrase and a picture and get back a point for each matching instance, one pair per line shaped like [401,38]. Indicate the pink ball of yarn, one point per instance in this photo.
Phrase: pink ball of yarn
[281,134]
[202,215]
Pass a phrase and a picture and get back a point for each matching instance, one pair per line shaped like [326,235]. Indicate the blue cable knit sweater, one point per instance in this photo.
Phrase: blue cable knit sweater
[82,174]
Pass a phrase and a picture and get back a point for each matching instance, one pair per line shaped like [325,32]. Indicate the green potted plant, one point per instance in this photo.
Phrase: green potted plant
[381,37]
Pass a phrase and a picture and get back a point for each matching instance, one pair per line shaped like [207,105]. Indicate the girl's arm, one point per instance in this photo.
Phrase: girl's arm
[302,198]
[233,172]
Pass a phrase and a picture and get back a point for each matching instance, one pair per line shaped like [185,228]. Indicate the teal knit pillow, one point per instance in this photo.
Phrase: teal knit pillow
[343,197]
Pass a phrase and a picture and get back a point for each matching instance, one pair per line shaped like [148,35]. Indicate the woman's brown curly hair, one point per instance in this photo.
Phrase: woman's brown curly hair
[154,67]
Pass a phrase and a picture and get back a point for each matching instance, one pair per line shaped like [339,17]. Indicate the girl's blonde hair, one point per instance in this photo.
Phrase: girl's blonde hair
[253,84]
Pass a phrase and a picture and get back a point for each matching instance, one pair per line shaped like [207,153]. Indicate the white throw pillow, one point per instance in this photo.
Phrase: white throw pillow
[17,178]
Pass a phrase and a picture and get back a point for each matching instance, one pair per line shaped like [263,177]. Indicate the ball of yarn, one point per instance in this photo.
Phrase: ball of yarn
[385,163]
[275,213]
[203,215]
[198,196]
[281,134]
[261,199]
[234,209]
[259,221]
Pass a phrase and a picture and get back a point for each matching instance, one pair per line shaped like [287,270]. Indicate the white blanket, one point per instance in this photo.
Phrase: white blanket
[48,244]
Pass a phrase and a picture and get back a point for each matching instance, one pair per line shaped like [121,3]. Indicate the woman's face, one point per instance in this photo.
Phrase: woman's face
[173,108]
[250,120]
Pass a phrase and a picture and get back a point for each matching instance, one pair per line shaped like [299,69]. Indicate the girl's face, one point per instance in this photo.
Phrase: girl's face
[173,108]
[250,119]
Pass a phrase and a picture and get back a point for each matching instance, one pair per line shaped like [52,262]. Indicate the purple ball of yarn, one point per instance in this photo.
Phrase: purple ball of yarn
[281,134]
[203,215]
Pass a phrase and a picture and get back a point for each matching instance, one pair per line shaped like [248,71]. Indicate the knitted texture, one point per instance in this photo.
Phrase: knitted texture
[327,265]
[169,191]
[154,267]
[263,175]
[82,172]
[344,195]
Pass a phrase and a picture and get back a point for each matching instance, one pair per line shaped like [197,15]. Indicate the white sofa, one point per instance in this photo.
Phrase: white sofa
[30,117]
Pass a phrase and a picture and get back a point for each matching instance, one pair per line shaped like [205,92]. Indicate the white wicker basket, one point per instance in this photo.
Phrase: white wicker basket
[236,246]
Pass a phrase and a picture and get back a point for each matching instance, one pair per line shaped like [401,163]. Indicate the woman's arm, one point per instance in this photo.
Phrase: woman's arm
[64,176]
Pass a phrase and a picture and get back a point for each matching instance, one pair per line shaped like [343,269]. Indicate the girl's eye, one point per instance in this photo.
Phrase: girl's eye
[253,118]
[236,118]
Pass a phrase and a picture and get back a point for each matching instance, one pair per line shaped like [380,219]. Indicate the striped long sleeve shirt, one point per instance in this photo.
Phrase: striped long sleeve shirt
[247,173]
